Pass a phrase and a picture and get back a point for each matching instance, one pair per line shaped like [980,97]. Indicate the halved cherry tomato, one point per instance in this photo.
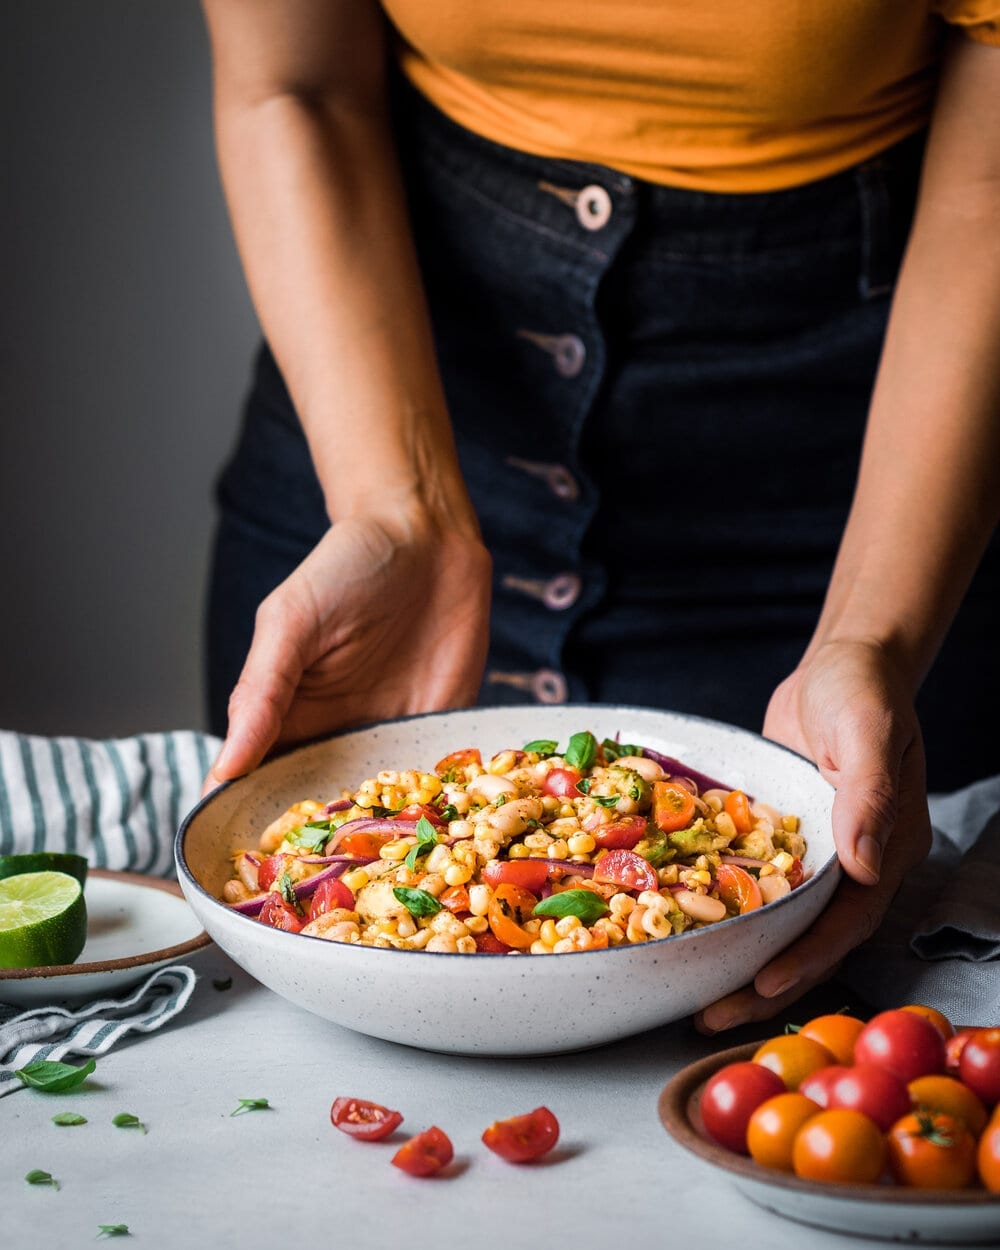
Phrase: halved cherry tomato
[488,944]
[737,889]
[529,874]
[937,1018]
[837,1032]
[876,1092]
[561,783]
[626,869]
[270,869]
[930,1150]
[738,806]
[907,1044]
[509,908]
[364,845]
[328,895]
[413,812]
[841,1146]
[426,1153]
[523,1137]
[988,1157]
[794,876]
[773,1126]
[458,759]
[280,915]
[979,1066]
[622,833]
[793,1057]
[368,1121]
[730,1098]
[673,806]
[945,1094]
[455,898]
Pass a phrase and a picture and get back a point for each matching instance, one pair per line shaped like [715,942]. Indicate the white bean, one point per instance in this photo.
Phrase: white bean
[700,906]
[647,769]
[512,818]
[489,787]
[773,886]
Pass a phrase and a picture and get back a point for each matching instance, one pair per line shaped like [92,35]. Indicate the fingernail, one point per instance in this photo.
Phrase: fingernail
[778,990]
[718,1022]
[869,855]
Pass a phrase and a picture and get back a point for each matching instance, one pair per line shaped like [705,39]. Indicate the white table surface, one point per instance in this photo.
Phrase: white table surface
[285,1178]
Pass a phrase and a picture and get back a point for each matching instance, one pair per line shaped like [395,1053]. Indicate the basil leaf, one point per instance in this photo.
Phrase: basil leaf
[542,746]
[69,1118]
[449,812]
[311,837]
[251,1104]
[615,750]
[582,751]
[287,889]
[607,800]
[113,1230]
[416,902]
[37,1177]
[125,1119]
[52,1077]
[427,839]
[584,904]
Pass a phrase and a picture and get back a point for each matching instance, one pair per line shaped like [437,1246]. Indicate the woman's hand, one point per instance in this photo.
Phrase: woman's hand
[379,621]
[848,709]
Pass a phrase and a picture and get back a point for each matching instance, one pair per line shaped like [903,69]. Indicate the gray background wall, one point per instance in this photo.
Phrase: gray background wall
[125,341]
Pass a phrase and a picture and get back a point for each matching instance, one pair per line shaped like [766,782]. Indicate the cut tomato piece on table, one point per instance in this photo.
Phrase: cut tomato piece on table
[509,908]
[368,1121]
[523,1137]
[529,874]
[626,869]
[561,783]
[623,833]
[673,806]
[737,889]
[426,1153]
[280,915]
[328,895]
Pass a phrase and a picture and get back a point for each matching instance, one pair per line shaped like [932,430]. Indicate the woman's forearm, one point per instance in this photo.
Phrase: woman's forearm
[320,219]
[928,494]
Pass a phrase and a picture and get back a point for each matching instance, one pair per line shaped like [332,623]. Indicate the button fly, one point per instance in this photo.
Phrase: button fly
[570,355]
[557,477]
[548,686]
[593,207]
[562,592]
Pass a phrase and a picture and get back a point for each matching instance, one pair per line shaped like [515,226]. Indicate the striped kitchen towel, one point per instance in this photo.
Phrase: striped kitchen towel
[55,1033]
[118,802]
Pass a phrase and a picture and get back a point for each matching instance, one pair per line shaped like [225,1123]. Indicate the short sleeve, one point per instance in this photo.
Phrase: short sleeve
[979,19]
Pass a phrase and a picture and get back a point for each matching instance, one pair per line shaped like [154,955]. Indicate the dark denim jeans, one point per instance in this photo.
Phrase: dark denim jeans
[659,397]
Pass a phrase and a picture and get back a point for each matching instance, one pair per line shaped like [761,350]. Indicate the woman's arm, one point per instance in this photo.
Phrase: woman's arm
[927,500]
[317,204]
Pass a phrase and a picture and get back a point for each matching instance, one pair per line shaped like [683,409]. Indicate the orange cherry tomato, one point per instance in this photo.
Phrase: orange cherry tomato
[737,889]
[929,1150]
[447,767]
[945,1094]
[738,806]
[937,1018]
[773,1127]
[364,845]
[793,1057]
[455,898]
[841,1145]
[509,908]
[673,806]
[837,1033]
[426,1153]
[988,1156]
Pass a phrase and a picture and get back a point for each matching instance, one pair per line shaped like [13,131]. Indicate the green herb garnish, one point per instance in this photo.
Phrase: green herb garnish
[286,887]
[416,902]
[584,904]
[68,1118]
[113,1230]
[583,785]
[251,1104]
[427,839]
[311,837]
[582,751]
[37,1177]
[607,800]
[542,746]
[125,1119]
[449,812]
[615,750]
[52,1077]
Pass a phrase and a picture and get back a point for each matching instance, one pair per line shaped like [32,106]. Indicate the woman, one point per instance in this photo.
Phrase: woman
[643,258]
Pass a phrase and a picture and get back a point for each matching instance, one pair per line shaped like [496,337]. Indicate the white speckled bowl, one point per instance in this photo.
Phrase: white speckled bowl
[505,1005]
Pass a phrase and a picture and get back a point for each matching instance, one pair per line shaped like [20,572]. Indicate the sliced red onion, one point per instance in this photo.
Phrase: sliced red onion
[303,889]
[337,859]
[341,805]
[368,824]
[253,859]
[702,780]
[745,861]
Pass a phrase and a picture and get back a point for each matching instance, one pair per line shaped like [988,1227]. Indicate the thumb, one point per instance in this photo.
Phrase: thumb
[866,805]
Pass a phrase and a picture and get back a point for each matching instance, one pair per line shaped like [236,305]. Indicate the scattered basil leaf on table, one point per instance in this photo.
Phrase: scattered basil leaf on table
[67,1118]
[113,1230]
[52,1077]
[582,751]
[251,1104]
[125,1119]
[416,902]
[542,746]
[37,1177]
[427,839]
[584,904]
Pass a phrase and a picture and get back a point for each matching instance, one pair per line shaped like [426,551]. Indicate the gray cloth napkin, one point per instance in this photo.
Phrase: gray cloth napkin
[56,1032]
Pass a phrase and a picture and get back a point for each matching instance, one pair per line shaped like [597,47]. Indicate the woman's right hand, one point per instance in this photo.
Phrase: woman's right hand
[382,619]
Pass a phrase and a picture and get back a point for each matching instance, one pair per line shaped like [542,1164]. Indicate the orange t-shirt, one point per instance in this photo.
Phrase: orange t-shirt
[735,95]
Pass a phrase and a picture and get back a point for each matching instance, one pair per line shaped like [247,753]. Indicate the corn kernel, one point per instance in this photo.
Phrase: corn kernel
[396,850]
[457,874]
[517,850]
[539,948]
[537,841]
[566,926]
[790,824]
[406,926]
[476,924]
[549,934]
[479,900]
[783,861]
[502,763]
[567,809]
[558,849]
[433,883]
[766,870]
[355,879]
[702,876]
[466,945]
[439,858]
[580,844]
[724,824]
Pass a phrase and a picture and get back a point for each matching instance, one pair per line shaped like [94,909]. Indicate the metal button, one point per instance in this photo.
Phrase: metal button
[570,355]
[548,686]
[562,592]
[593,207]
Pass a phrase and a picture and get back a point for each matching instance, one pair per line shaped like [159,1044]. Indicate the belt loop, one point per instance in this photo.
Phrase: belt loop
[876,269]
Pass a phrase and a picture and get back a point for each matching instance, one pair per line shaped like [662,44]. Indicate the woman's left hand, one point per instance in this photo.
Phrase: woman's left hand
[848,709]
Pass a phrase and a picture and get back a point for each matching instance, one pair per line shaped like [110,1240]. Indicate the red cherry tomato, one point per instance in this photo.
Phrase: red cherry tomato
[623,833]
[673,806]
[489,944]
[368,1121]
[882,1096]
[414,811]
[364,845]
[979,1065]
[270,869]
[280,915]
[561,783]
[425,1154]
[626,869]
[905,1043]
[328,895]
[510,907]
[953,1048]
[523,1137]
[737,889]
[738,806]
[458,759]
[817,1085]
[455,898]
[529,874]
[731,1097]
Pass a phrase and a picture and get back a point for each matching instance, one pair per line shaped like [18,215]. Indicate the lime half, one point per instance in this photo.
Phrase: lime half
[44,861]
[43,919]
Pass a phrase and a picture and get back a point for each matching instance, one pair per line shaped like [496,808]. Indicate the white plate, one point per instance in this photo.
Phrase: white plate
[966,1216]
[135,924]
